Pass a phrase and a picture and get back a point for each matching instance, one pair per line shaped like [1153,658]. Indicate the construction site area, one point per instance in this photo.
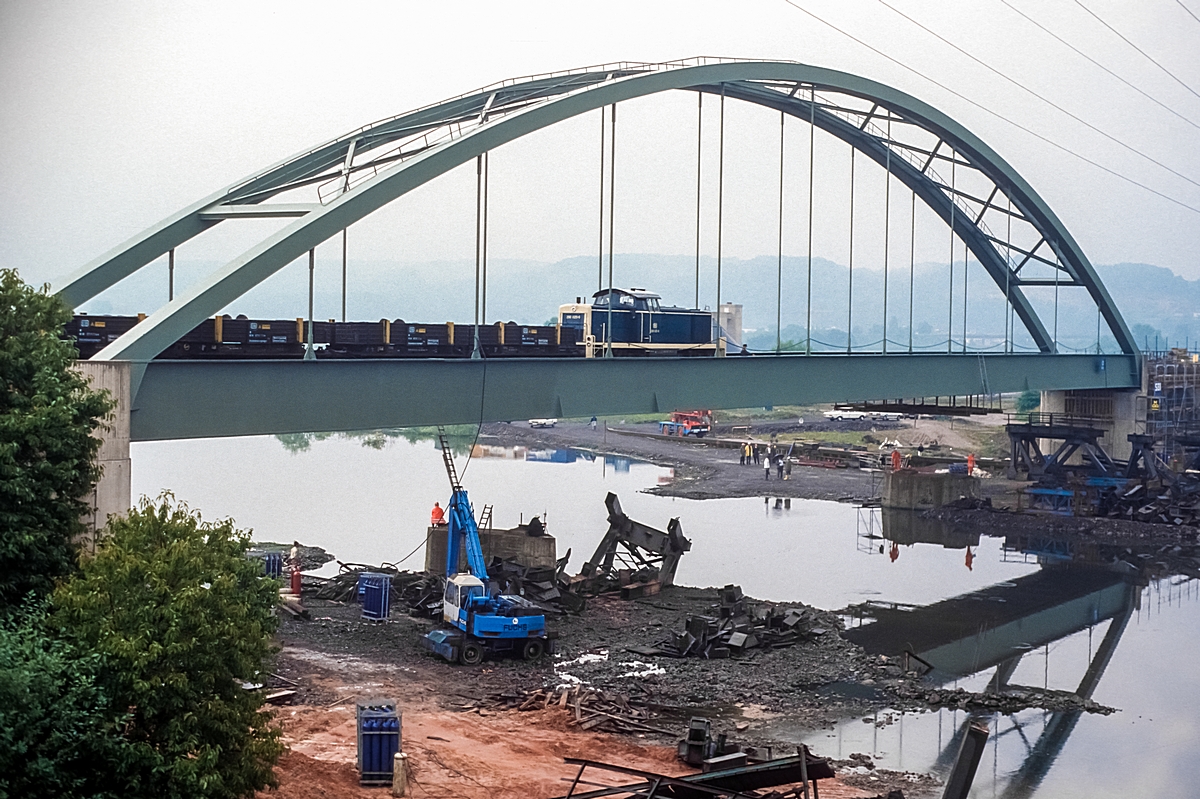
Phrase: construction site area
[674,656]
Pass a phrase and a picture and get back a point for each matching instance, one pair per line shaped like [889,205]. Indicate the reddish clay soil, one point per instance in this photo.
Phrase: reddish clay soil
[475,754]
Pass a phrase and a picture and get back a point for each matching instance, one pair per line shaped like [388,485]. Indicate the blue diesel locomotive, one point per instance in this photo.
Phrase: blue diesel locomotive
[641,325]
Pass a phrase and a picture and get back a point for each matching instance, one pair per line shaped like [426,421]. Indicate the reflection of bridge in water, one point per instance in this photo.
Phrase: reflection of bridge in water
[994,627]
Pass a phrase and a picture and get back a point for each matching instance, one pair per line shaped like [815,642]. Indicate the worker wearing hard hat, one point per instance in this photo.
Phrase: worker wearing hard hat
[437,517]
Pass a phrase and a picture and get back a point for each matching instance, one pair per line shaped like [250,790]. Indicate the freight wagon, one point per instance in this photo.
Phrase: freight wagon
[641,326]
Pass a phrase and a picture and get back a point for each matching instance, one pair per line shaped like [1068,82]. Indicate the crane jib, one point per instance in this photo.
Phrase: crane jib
[462,529]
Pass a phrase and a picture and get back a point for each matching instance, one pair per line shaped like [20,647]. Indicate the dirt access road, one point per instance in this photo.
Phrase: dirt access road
[701,471]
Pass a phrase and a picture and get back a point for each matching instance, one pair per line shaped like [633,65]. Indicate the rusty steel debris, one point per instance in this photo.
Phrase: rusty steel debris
[632,557]
[738,626]
[725,783]
[591,709]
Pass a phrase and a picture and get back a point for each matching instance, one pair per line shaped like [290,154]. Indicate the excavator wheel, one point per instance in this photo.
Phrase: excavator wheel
[533,649]
[471,654]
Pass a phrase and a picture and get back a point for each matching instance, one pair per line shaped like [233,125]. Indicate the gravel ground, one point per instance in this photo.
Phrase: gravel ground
[702,471]
[1083,530]
[815,679]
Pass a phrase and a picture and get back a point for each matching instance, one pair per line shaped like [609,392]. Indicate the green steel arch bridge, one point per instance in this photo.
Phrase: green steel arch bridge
[991,210]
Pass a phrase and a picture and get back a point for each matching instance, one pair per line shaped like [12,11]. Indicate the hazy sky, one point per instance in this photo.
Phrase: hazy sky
[114,115]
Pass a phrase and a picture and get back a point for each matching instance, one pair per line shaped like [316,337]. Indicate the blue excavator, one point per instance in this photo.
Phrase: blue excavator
[478,618]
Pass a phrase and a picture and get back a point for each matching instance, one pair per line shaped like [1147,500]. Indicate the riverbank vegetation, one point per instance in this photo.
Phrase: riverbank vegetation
[130,672]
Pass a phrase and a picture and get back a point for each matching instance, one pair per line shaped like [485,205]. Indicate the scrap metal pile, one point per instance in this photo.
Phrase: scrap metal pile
[738,627]
[550,588]
[768,780]
[421,592]
[633,558]
[1146,503]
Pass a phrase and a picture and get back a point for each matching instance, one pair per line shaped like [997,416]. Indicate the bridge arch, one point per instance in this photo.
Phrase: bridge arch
[358,173]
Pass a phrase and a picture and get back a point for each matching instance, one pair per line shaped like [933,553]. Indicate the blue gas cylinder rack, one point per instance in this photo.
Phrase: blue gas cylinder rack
[273,564]
[378,740]
[376,592]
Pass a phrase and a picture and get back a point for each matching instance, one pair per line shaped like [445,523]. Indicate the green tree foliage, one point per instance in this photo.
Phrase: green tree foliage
[47,452]
[179,618]
[1028,401]
[57,734]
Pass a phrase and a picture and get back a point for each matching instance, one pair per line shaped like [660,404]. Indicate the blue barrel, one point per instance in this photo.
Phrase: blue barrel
[273,565]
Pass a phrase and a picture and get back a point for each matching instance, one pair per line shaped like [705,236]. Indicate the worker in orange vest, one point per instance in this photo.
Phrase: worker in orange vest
[971,463]
[437,517]
[895,460]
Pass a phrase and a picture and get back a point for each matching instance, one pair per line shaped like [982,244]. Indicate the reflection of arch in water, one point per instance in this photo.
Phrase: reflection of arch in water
[368,168]
[968,634]
[993,626]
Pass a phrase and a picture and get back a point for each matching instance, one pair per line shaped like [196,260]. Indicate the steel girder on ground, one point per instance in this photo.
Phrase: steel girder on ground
[357,174]
[199,399]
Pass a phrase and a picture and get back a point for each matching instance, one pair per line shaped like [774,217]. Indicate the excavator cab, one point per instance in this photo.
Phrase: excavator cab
[460,589]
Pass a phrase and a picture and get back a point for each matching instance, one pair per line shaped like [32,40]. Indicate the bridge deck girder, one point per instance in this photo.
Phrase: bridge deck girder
[197,399]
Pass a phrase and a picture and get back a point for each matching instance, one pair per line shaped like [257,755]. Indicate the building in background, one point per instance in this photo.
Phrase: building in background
[730,320]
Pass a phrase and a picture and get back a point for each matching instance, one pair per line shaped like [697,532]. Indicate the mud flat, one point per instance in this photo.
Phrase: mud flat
[702,471]
[460,745]
[466,745]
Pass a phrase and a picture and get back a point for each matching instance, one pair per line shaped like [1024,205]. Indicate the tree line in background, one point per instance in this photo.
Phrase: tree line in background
[122,673]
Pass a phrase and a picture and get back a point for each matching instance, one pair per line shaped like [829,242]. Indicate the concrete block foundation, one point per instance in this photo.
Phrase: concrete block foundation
[913,490]
[516,544]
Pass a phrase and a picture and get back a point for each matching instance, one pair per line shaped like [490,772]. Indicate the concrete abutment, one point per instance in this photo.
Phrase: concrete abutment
[112,495]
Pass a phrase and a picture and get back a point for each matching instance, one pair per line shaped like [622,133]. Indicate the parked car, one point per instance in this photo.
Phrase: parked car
[844,415]
[536,423]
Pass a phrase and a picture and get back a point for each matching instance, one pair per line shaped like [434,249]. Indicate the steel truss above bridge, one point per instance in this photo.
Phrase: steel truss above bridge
[1003,222]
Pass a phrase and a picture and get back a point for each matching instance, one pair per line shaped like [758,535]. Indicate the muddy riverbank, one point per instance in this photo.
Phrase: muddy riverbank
[702,471]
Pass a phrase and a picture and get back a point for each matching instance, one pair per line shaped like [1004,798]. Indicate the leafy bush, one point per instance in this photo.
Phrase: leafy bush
[179,619]
[57,734]
[47,452]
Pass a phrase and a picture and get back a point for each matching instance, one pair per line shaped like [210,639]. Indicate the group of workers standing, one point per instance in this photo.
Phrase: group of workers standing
[752,454]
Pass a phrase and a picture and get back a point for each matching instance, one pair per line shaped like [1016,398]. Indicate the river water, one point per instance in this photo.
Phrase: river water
[1047,622]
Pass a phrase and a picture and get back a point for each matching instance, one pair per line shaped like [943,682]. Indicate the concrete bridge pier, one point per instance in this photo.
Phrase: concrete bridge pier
[112,494]
[1112,410]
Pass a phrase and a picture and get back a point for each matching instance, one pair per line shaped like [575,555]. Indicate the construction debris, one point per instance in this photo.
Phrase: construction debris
[632,554]
[549,588]
[737,627]
[1013,699]
[721,781]
[1141,503]
[420,592]
[592,708]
